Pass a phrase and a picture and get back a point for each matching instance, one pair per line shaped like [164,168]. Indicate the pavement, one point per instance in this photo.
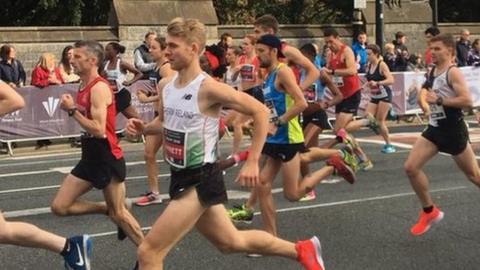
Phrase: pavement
[361,226]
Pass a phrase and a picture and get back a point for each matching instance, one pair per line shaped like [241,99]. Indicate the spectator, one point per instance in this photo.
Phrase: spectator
[359,50]
[45,73]
[389,57]
[142,59]
[11,70]
[232,57]
[326,53]
[429,33]
[402,55]
[65,66]
[226,41]
[474,54]
[463,47]
[115,71]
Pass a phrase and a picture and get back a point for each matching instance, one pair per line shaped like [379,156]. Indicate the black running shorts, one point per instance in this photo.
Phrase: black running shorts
[256,92]
[123,99]
[350,104]
[98,165]
[207,180]
[318,118]
[452,140]
[284,152]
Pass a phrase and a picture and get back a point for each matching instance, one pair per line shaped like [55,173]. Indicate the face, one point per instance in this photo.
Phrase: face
[402,40]
[465,35]
[155,50]
[12,53]
[83,61]
[110,52]
[150,39]
[428,36]
[50,63]
[247,46]
[264,55]
[331,42]
[228,41]
[179,53]
[440,52]
[260,31]
[371,57]
[70,55]
[362,39]
[230,56]
[477,46]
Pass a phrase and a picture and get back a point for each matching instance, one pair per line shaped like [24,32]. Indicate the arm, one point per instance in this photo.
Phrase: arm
[288,83]
[350,62]
[462,100]
[337,95]
[311,72]
[100,98]
[140,64]
[166,71]
[385,72]
[124,66]
[9,99]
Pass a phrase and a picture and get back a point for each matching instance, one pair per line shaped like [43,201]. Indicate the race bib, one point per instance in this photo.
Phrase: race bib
[338,81]
[273,112]
[247,73]
[311,93]
[378,91]
[174,148]
[437,112]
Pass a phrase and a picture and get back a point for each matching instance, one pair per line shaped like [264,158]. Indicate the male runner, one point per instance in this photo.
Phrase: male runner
[75,250]
[343,70]
[190,106]
[102,165]
[285,141]
[442,98]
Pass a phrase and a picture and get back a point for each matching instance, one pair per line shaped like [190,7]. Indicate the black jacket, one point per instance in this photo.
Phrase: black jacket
[12,73]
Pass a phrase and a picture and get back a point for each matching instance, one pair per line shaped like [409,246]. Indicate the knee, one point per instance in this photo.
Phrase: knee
[117,215]
[291,196]
[410,168]
[229,245]
[59,208]
[146,253]
[149,155]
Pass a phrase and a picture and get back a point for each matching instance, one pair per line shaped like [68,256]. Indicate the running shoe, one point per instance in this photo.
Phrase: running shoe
[365,165]
[149,198]
[373,123]
[388,149]
[309,196]
[240,214]
[349,157]
[426,220]
[78,253]
[309,254]
[347,139]
[341,168]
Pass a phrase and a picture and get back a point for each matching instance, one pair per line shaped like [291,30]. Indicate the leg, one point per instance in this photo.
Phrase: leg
[310,133]
[169,228]
[218,229]
[381,116]
[317,154]
[66,200]
[152,145]
[468,164]
[423,150]
[264,192]
[27,235]
[114,195]
[342,119]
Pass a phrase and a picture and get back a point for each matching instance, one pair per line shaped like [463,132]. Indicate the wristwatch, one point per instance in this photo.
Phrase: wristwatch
[333,71]
[71,111]
[278,122]
[439,101]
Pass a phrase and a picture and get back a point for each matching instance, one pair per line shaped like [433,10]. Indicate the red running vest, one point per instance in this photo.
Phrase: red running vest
[83,106]
[351,84]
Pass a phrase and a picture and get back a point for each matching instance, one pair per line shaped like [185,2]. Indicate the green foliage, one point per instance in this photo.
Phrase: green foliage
[286,11]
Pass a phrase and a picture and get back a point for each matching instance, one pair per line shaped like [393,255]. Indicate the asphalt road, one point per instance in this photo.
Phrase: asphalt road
[361,226]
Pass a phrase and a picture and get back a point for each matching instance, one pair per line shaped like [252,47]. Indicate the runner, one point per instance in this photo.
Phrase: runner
[115,71]
[285,141]
[443,96]
[315,118]
[76,250]
[153,143]
[102,165]
[343,70]
[379,81]
[191,103]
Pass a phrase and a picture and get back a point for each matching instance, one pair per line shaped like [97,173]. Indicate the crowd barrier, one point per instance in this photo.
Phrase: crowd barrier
[42,117]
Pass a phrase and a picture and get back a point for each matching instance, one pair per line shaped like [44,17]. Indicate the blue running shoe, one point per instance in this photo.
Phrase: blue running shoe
[78,254]
[388,149]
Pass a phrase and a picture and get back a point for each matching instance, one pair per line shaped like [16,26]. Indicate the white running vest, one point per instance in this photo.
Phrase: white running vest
[442,89]
[190,138]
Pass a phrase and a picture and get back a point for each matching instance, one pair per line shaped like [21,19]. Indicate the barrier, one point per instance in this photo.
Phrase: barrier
[42,117]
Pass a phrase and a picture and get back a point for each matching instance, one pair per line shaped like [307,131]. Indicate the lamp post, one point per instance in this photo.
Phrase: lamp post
[379,36]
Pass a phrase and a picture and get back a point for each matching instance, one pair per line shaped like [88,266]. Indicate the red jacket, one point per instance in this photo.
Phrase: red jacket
[40,76]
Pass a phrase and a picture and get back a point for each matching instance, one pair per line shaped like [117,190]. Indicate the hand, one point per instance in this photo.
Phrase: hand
[66,102]
[272,129]
[134,127]
[326,70]
[127,83]
[12,85]
[141,97]
[324,104]
[372,83]
[431,97]
[249,174]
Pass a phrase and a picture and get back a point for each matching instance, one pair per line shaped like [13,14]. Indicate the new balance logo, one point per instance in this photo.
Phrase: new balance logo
[187,96]
[51,105]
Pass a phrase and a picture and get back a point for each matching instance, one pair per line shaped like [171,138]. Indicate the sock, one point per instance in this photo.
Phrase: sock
[66,248]
[428,209]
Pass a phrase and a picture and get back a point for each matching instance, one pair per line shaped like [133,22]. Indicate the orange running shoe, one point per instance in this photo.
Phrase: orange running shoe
[309,254]
[426,220]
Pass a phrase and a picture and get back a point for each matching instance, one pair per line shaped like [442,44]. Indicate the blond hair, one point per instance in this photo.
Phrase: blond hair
[389,47]
[191,30]
[46,59]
